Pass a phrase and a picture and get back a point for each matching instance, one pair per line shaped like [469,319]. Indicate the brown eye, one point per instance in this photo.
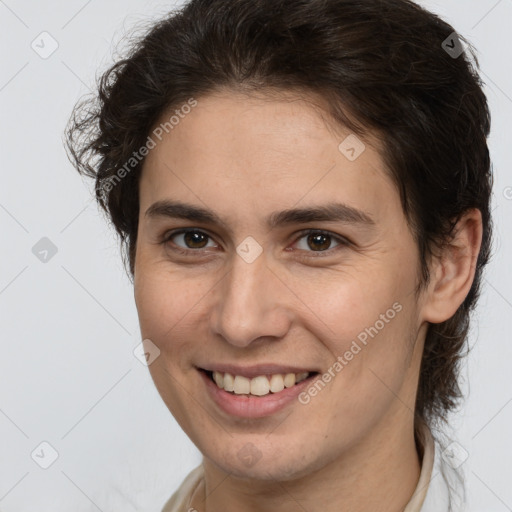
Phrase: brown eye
[319,241]
[189,239]
[195,239]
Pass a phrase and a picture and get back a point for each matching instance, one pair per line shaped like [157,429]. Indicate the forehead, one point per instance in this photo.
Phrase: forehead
[236,150]
[287,122]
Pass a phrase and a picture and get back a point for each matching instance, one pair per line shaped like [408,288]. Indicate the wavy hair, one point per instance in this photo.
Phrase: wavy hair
[385,67]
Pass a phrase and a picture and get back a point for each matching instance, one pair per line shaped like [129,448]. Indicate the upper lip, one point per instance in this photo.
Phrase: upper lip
[255,370]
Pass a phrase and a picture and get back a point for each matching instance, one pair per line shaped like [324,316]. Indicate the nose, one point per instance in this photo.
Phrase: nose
[251,303]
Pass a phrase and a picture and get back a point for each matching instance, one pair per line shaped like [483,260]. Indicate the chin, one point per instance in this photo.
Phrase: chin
[265,463]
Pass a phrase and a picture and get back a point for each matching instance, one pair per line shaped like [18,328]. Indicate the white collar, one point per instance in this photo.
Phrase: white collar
[439,484]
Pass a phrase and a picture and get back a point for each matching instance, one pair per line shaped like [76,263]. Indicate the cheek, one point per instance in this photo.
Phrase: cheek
[367,323]
[170,307]
[346,304]
[169,310]
[373,379]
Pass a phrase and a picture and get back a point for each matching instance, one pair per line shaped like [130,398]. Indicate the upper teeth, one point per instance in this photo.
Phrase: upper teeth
[258,386]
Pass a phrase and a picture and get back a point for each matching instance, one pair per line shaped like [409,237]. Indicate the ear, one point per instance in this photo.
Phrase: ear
[453,271]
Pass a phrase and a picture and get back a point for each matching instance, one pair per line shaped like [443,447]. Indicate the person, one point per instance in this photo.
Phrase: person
[302,191]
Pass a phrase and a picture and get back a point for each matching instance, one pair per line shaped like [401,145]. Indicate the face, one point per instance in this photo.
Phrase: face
[286,255]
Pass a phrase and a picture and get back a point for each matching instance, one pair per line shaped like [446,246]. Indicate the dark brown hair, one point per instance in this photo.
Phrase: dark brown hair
[387,67]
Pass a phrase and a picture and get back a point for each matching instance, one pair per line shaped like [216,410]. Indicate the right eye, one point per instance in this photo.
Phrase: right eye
[193,240]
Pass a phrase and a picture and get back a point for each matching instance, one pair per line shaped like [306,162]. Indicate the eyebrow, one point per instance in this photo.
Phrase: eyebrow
[330,212]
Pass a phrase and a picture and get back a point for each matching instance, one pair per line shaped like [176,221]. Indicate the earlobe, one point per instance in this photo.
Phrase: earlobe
[454,270]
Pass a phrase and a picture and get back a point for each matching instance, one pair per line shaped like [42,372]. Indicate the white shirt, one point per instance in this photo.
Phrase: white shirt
[432,493]
[438,486]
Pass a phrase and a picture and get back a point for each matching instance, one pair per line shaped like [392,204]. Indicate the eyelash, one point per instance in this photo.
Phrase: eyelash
[343,242]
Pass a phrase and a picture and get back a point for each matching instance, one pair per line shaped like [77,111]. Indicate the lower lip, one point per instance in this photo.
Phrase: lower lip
[245,406]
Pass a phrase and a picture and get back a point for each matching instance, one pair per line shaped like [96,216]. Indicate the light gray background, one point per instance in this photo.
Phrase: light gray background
[69,326]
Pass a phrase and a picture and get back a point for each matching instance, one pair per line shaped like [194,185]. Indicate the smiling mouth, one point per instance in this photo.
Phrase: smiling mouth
[261,385]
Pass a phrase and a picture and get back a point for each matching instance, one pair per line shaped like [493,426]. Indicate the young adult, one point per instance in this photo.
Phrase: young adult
[303,189]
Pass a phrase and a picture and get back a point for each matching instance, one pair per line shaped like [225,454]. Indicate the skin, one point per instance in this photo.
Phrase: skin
[245,157]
